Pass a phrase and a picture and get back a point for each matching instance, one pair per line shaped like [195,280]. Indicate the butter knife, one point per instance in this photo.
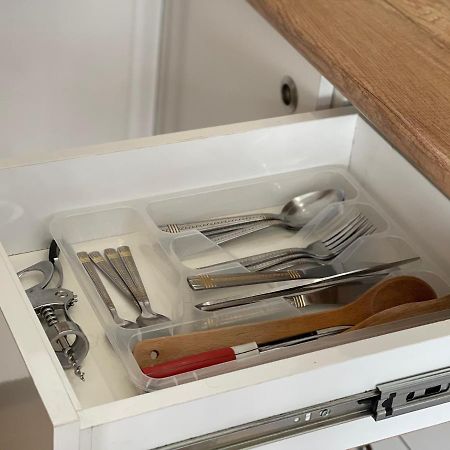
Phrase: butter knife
[302,286]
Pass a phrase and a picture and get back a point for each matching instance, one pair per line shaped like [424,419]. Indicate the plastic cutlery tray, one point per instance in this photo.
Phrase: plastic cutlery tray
[165,260]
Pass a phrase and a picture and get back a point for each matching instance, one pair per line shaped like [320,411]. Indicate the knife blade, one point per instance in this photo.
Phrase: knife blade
[302,286]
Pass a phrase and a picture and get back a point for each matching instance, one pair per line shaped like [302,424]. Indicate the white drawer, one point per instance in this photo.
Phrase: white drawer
[92,417]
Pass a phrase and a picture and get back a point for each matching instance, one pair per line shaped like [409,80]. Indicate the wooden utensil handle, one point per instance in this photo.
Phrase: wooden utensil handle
[405,311]
[190,363]
[387,294]
[178,346]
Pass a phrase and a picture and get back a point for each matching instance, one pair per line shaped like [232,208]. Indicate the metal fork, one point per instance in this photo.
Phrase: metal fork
[335,247]
[321,250]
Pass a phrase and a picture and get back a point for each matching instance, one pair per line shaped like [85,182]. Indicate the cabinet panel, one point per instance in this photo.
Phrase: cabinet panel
[76,73]
[221,63]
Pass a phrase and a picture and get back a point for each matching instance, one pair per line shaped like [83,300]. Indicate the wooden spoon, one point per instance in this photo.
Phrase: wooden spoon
[405,311]
[387,294]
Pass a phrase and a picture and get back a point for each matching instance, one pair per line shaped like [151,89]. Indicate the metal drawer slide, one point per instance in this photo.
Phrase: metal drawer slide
[385,401]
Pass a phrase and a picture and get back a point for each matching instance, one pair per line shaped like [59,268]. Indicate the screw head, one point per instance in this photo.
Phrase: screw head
[324,413]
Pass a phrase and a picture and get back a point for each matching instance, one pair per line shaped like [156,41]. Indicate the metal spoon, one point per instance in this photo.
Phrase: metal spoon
[89,267]
[296,213]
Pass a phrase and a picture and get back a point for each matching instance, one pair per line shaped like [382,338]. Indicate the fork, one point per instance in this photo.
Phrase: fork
[321,250]
[361,227]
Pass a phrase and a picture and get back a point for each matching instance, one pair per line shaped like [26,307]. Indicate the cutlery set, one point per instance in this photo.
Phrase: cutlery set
[119,266]
[246,306]
[325,249]
[294,215]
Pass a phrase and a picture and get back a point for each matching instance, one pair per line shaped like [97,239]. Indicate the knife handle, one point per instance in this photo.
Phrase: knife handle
[206,281]
[189,363]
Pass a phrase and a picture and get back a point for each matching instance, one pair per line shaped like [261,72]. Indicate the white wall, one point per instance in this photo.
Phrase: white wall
[223,63]
[76,72]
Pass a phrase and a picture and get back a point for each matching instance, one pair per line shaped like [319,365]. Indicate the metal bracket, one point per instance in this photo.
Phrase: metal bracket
[413,393]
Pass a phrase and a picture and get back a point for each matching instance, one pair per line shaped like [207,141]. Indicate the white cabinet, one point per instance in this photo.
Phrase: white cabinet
[221,62]
[106,412]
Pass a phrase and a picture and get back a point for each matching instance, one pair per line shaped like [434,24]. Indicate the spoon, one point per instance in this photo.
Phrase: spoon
[89,267]
[387,294]
[296,213]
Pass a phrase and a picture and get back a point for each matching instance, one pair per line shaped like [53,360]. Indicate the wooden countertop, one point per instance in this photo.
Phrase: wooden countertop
[391,58]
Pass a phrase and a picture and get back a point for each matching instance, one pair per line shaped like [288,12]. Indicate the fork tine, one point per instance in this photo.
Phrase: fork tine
[366,230]
[349,228]
[354,229]
[342,230]
[338,231]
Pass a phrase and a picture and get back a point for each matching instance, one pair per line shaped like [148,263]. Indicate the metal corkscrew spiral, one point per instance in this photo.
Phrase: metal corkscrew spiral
[49,316]
[76,367]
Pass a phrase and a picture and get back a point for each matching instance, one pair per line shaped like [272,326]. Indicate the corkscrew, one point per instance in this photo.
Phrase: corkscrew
[52,307]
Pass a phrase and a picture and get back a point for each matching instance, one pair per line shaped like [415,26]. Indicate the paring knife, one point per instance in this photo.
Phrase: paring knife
[301,286]
[226,354]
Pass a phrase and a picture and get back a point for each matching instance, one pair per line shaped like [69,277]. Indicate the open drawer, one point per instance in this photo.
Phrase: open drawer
[107,411]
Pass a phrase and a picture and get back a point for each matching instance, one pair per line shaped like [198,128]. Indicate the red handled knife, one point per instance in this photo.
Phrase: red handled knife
[221,355]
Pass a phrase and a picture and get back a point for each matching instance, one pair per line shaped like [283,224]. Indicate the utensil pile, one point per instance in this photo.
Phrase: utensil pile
[322,259]
[391,300]
[119,266]
[294,215]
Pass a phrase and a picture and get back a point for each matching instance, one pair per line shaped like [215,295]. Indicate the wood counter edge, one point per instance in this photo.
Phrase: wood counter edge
[423,151]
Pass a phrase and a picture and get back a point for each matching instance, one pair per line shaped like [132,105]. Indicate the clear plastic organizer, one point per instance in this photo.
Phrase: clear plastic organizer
[165,260]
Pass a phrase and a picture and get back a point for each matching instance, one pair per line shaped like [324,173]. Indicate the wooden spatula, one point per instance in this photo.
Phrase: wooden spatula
[387,294]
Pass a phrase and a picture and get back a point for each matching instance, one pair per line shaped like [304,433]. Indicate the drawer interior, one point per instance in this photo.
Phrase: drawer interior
[251,170]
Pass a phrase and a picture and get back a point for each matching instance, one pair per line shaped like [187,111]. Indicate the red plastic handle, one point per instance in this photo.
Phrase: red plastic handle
[188,363]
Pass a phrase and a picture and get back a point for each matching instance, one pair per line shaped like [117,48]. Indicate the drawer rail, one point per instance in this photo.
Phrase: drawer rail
[385,401]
